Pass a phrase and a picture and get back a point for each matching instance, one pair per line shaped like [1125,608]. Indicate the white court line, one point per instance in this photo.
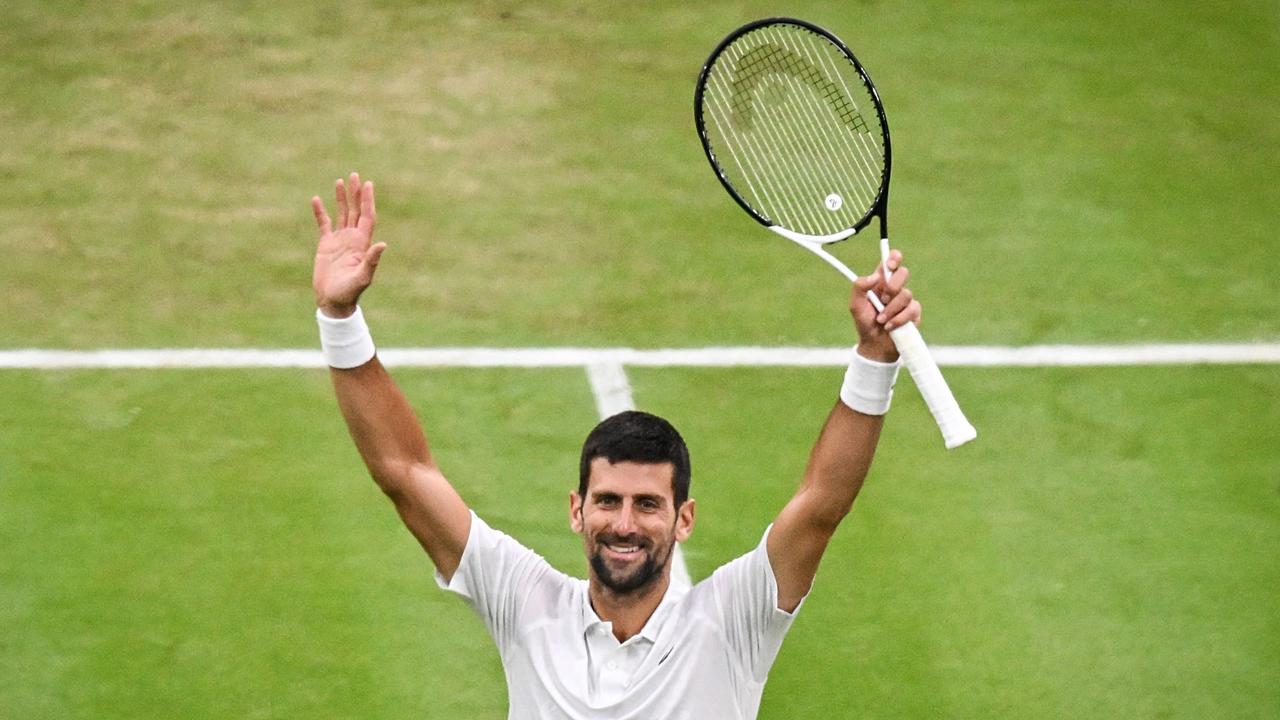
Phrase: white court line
[947,356]
[611,388]
[612,391]
[605,365]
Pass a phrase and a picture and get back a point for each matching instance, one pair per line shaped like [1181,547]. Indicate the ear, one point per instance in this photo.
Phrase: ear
[575,512]
[684,520]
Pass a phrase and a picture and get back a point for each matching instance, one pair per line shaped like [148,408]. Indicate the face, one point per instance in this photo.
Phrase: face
[628,522]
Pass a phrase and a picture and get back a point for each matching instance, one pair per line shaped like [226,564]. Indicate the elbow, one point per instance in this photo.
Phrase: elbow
[829,518]
[395,478]
[394,491]
[384,475]
[824,513]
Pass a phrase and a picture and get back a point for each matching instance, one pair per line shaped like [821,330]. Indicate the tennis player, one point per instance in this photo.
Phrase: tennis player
[627,642]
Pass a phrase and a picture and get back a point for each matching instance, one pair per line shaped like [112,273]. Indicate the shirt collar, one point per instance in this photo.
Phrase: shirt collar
[590,620]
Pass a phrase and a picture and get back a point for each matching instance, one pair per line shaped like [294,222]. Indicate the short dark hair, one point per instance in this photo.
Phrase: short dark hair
[635,436]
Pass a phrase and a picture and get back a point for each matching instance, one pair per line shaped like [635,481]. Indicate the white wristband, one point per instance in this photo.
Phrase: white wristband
[346,341]
[868,385]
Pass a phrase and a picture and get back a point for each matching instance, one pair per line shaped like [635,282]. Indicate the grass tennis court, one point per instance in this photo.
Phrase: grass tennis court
[204,543]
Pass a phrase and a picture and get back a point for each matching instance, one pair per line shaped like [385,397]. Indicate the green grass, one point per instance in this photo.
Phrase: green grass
[1079,172]
[1102,550]
[208,545]
[205,544]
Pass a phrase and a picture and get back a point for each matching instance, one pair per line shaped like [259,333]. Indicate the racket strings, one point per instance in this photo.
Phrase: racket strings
[753,63]
[794,178]
[845,112]
[803,140]
[837,102]
[784,111]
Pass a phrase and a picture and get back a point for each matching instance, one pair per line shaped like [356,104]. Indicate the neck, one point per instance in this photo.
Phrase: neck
[627,612]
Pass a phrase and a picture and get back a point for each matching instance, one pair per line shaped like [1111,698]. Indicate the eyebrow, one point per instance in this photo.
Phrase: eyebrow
[610,495]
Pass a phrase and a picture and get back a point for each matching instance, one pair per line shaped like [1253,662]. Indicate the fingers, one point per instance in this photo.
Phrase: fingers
[368,215]
[897,281]
[353,199]
[859,304]
[322,217]
[865,284]
[348,194]
[374,256]
[885,272]
[900,305]
[355,203]
[895,260]
[340,191]
[369,263]
[911,314]
[896,311]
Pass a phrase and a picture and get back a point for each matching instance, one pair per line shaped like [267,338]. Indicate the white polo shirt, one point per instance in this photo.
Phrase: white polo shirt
[705,652]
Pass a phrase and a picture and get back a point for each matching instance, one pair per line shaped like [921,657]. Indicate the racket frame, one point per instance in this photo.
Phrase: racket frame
[879,207]
[956,429]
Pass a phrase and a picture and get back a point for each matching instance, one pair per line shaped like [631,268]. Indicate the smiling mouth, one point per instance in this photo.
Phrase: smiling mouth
[625,551]
[625,565]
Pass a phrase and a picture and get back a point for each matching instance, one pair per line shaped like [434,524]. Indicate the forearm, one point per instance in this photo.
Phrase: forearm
[846,446]
[383,425]
[380,420]
[839,463]
[394,448]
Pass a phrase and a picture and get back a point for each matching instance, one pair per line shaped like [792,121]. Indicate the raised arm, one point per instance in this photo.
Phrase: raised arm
[842,455]
[383,425]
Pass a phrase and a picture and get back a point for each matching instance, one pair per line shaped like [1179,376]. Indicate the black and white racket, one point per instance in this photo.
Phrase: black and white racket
[796,132]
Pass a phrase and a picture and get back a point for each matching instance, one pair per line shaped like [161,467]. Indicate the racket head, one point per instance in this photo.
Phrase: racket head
[795,130]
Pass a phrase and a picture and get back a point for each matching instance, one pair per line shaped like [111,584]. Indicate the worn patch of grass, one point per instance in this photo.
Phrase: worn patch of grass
[1064,173]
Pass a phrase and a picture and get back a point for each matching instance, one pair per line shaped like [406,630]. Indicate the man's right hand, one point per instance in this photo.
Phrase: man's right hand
[345,257]
[381,421]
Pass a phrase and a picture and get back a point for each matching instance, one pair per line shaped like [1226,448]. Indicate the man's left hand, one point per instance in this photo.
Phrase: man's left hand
[900,308]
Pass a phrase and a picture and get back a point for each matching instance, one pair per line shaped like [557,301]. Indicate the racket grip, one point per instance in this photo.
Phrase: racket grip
[955,428]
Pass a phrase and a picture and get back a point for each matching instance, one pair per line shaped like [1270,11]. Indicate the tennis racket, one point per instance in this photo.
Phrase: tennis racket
[796,132]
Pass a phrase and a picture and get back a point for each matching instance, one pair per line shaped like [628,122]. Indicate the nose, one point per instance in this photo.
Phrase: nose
[626,520]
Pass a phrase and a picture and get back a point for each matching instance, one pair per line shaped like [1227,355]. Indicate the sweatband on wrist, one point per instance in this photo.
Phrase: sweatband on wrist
[868,385]
[346,342]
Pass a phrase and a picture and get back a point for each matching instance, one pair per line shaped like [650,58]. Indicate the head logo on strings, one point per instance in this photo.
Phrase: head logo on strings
[768,74]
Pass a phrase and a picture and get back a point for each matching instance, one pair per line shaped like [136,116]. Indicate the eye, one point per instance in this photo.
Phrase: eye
[607,500]
[649,504]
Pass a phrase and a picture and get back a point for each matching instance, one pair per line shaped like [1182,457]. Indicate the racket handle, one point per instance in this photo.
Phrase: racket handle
[955,428]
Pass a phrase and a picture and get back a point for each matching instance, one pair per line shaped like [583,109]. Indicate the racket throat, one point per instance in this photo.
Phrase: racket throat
[814,243]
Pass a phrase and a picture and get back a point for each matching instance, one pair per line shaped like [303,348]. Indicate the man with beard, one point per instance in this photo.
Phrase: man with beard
[626,642]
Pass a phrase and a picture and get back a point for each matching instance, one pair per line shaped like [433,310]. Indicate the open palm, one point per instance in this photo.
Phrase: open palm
[346,256]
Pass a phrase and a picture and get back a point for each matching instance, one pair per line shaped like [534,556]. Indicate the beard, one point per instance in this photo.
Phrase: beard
[629,580]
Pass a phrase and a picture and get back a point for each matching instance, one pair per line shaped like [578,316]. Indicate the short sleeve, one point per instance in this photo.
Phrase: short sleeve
[493,576]
[745,593]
